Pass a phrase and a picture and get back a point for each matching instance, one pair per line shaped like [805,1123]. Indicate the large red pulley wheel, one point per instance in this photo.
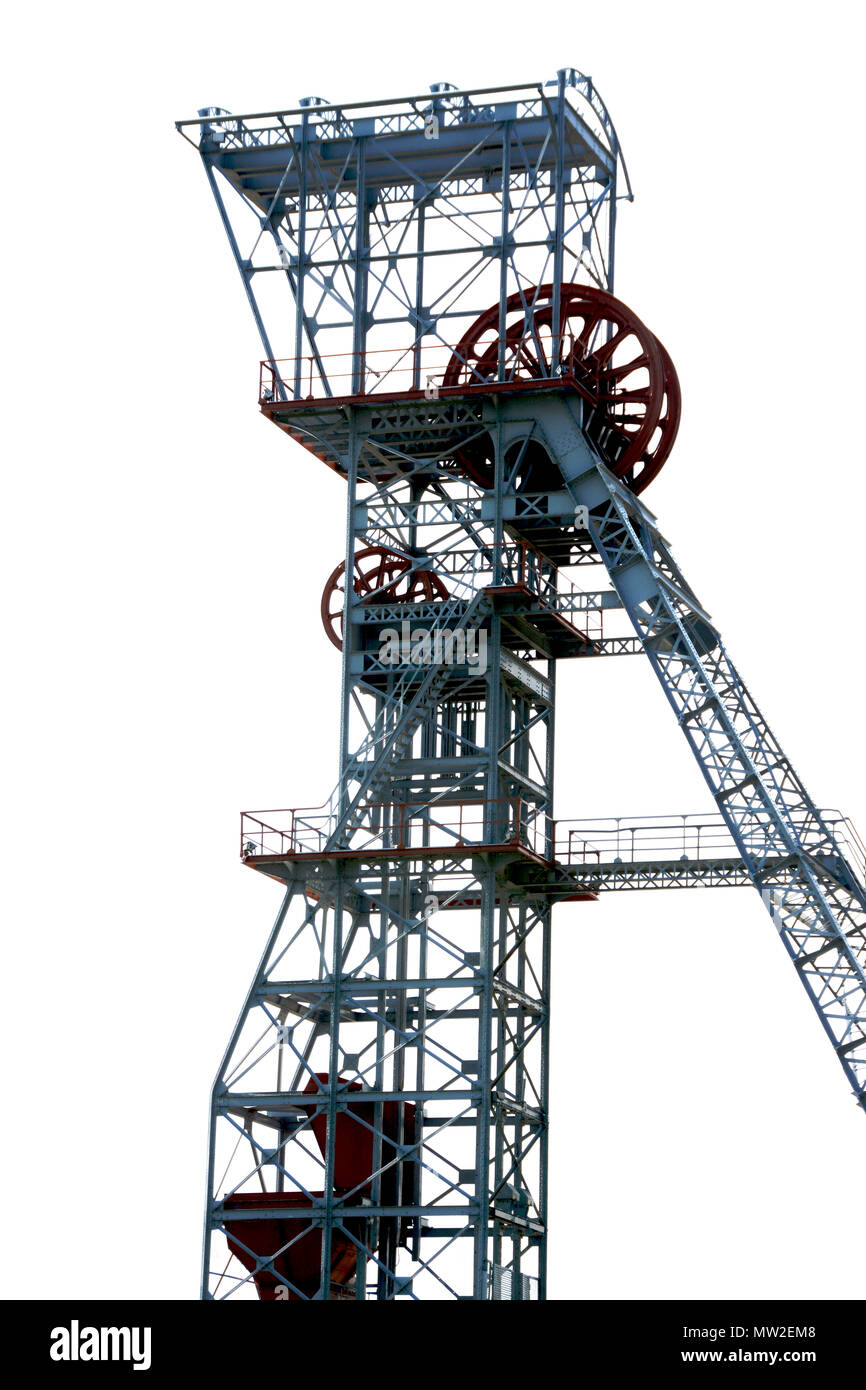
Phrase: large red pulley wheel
[381,573]
[615,361]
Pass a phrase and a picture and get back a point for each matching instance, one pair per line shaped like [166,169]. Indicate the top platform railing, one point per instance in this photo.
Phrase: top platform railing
[398,827]
[454,108]
[344,374]
[412,369]
[514,822]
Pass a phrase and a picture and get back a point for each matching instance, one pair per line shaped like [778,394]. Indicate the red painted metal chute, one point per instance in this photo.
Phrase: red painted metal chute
[354,1144]
[293,1245]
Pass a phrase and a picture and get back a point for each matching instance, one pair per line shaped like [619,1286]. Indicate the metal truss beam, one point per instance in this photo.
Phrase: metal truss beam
[787,845]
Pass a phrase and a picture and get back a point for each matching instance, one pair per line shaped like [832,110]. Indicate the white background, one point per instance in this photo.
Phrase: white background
[164,549]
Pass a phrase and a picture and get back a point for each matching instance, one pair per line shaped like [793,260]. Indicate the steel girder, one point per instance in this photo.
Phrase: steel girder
[371,979]
[415,973]
[368,235]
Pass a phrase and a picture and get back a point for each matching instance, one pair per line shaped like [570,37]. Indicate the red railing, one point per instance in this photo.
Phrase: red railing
[401,370]
[399,826]
[339,374]
[571,848]
[512,822]
[546,581]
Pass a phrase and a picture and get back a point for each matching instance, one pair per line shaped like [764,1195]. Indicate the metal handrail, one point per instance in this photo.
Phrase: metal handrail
[691,836]
[508,821]
[523,564]
[606,840]
[312,376]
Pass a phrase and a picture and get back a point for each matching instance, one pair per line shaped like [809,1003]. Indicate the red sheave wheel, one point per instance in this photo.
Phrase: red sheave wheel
[379,574]
[613,359]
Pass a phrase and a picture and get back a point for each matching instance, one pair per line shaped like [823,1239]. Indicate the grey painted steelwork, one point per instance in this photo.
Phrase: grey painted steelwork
[791,850]
[410,962]
[369,235]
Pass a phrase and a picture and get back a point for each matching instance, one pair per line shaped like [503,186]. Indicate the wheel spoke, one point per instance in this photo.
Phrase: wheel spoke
[381,574]
[617,397]
[606,350]
[626,367]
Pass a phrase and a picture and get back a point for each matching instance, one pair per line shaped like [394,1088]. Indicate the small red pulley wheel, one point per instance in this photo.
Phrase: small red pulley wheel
[378,575]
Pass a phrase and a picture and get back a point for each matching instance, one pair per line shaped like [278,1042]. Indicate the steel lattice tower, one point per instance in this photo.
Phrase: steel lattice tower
[432,280]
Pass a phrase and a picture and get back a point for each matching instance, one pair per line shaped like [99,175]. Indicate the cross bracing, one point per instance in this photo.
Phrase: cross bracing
[432,808]
[367,234]
[379,1124]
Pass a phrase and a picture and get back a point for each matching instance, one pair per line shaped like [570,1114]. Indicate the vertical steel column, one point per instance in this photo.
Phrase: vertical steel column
[503,250]
[559,221]
[302,255]
[485,1100]
[550,767]
[361,252]
[348,625]
[611,225]
[544,1141]
[499,1129]
[419,293]
[334,1006]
